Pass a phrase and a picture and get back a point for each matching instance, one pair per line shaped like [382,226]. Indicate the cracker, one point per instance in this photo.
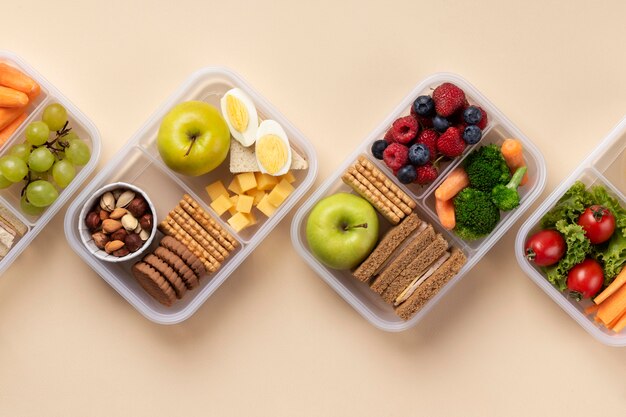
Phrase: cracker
[172,229]
[365,193]
[378,174]
[383,188]
[375,191]
[209,224]
[181,215]
[206,245]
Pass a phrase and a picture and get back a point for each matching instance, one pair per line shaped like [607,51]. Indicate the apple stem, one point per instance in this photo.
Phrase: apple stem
[193,140]
[363,225]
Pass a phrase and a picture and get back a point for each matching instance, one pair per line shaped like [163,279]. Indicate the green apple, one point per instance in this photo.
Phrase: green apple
[342,230]
[193,138]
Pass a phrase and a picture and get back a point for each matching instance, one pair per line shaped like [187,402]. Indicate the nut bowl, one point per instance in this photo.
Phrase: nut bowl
[120,225]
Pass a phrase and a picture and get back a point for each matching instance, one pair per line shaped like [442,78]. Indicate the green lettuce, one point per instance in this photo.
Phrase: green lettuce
[578,246]
[613,256]
[569,207]
[601,196]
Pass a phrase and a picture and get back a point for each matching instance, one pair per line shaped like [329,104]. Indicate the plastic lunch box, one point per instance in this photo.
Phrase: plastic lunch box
[358,294]
[605,166]
[10,197]
[139,163]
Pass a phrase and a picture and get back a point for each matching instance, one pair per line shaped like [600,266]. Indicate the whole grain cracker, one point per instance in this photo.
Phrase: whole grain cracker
[180,214]
[188,227]
[375,191]
[365,193]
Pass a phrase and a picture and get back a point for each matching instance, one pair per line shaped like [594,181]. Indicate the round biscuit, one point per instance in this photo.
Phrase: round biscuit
[177,264]
[154,283]
[165,270]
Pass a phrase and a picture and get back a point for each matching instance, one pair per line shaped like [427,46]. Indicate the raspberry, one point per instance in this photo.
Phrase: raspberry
[426,173]
[396,156]
[448,99]
[388,137]
[429,138]
[483,121]
[451,143]
[403,130]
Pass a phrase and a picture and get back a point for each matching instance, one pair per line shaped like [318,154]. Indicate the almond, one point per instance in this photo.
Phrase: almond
[110,225]
[113,245]
[117,213]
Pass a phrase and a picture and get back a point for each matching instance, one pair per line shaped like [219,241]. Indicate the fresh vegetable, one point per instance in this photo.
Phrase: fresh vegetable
[445,212]
[513,154]
[585,279]
[598,223]
[17,80]
[456,180]
[577,248]
[569,207]
[6,133]
[487,168]
[8,115]
[506,197]
[476,215]
[545,247]
[12,98]
[613,307]
[619,280]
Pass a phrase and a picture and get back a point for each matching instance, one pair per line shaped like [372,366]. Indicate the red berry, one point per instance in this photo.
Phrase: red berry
[424,122]
[426,174]
[396,156]
[403,130]
[429,138]
[451,143]
[388,138]
[448,99]
[483,121]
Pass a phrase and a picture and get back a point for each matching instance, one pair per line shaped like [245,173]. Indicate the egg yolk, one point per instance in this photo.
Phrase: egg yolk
[272,153]
[237,113]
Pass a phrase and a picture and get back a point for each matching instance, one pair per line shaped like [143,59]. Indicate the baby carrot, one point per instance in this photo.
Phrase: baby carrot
[445,211]
[456,180]
[8,115]
[514,157]
[12,98]
[17,80]
[6,133]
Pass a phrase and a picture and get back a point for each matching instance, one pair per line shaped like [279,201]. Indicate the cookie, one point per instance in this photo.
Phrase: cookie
[185,254]
[166,271]
[154,283]
[177,264]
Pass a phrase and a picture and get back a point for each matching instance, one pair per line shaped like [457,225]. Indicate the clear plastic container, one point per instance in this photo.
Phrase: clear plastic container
[139,163]
[369,304]
[605,166]
[10,197]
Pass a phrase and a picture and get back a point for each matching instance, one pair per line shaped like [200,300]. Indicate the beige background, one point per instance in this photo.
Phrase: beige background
[275,339]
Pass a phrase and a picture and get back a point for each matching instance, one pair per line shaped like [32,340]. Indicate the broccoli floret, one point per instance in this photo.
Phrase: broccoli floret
[487,168]
[506,197]
[476,215]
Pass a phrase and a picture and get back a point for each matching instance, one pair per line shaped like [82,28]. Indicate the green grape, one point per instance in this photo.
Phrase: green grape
[13,168]
[78,152]
[70,136]
[29,209]
[21,150]
[4,183]
[55,116]
[37,133]
[40,160]
[41,193]
[63,172]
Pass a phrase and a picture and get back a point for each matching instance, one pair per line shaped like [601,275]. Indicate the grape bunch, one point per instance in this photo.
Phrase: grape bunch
[47,157]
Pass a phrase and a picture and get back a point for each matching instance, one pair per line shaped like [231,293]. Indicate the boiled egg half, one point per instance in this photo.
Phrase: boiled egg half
[241,116]
[273,153]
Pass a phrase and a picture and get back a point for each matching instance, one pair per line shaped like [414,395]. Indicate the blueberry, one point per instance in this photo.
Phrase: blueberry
[407,174]
[472,115]
[419,154]
[424,106]
[378,147]
[472,134]
[441,124]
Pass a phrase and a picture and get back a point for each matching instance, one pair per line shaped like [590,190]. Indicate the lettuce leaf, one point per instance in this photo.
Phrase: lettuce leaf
[613,257]
[578,246]
[569,207]
[600,196]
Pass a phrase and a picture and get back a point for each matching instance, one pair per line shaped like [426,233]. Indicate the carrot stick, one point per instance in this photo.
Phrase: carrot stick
[13,78]
[456,180]
[591,309]
[8,115]
[513,155]
[445,211]
[615,321]
[12,98]
[6,133]
[619,280]
[620,324]
[613,306]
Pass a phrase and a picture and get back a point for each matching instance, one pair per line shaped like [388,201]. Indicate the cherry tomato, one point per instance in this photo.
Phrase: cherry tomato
[598,223]
[585,279]
[545,247]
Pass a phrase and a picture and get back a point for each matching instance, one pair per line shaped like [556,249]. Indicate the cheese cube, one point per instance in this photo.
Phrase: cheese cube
[244,203]
[234,186]
[246,181]
[221,204]
[239,222]
[215,190]
[280,193]
[265,182]
[288,177]
[257,194]
[233,208]
[266,207]
[251,217]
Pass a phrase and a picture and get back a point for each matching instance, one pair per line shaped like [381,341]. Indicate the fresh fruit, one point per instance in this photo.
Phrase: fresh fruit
[342,230]
[424,106]
[419,154]
[41,193]
[40,159]
[21,150]
[472,134]
[598,223]
[13,168]
[448,98]
[404,129]
[378,147]
[472,115]
[545,247]
[396,156]
[450,143]
[429,138]
[426,174]
[30,209]
[55,116]
[77,152]
[585,279]
[407,174]
[4,183]
[37,133]
[440,124]
[63,172]
[193,138]
[483,120]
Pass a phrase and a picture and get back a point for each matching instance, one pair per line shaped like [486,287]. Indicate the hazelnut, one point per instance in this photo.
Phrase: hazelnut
[100,239]
[119,234]
[110,225]
[133,242]
[104,214]
[137,207]
[120,252]
[92,221]
[146,221]
[113,245]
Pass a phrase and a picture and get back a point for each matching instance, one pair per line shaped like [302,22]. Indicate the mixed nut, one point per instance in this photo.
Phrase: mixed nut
[120,222]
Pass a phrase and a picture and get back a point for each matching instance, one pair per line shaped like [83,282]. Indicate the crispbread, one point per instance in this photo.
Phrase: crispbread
[243,159]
